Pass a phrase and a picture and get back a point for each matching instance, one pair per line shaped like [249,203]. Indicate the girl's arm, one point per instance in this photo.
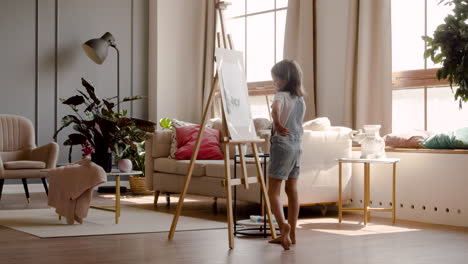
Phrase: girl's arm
[279,127]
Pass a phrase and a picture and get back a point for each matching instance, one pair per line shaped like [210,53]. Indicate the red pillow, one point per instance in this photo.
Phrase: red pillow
[209,147]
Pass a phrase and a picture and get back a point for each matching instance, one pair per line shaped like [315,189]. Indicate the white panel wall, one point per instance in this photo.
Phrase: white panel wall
[50,32]
[431,187]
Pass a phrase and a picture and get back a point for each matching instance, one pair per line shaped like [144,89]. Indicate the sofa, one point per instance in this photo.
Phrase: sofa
[318,182]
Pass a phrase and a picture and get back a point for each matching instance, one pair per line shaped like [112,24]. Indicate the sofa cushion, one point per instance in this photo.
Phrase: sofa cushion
[24,164]
[173,166]
[318,124]
[161,143]
[209,146]
[174,145]
[216,169]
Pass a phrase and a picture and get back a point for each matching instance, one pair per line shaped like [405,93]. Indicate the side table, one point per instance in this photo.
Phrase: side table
[261,227]
[116,208]
[366,207]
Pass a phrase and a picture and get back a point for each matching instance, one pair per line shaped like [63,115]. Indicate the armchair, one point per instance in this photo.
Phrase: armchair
[19,156]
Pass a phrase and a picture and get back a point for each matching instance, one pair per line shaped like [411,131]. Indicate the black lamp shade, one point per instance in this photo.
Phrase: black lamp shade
[96,49]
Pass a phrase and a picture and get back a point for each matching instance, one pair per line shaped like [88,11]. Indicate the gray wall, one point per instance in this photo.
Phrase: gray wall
[41,59]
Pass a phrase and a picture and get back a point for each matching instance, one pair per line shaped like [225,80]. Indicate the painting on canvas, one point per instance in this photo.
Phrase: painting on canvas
[234,94]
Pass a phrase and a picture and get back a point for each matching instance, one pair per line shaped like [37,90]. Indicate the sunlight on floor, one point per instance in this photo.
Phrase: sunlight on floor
[146,199]
[350,227]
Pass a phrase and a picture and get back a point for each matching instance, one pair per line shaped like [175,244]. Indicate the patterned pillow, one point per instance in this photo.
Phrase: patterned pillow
[176,123]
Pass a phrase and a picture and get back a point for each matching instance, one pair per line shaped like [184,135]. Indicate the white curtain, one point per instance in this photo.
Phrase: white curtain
[368,86]
[180,58]
[299,46]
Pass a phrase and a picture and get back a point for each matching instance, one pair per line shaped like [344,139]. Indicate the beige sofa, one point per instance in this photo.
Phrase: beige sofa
[317,184]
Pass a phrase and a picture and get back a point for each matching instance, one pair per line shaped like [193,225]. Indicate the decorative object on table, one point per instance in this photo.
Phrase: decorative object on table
[136,156]
[125,165]
[97,49]
[449,47]
[372,145]
[106,131]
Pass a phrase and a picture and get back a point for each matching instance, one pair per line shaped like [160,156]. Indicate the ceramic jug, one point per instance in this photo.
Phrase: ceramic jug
[372,145]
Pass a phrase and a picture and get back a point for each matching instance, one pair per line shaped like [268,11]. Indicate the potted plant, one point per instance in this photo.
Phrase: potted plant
[97,127]
[137,157]
[449,46]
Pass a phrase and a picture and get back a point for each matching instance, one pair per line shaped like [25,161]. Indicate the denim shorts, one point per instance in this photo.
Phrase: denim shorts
[285,157]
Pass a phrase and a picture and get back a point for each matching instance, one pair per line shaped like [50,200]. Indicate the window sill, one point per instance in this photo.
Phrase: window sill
[422,150]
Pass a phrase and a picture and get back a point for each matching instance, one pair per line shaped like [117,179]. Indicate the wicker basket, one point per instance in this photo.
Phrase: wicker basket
[138,186]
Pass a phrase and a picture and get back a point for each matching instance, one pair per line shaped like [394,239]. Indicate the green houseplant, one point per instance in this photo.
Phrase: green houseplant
[97,128]
[449,46]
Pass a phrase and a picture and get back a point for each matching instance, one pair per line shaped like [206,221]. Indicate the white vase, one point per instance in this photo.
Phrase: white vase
[125,165]
[372,145]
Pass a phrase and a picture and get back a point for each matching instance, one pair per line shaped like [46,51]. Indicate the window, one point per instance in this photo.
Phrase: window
[420,101]
[257,29]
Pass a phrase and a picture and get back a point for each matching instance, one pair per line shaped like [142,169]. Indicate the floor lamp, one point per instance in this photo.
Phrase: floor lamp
[96,49]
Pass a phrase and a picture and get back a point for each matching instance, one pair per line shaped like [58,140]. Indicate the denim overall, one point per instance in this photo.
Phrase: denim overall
[285,151]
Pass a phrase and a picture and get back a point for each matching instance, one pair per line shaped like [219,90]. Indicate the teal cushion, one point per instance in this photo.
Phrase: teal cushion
[442,140]
[457,139]
[461,138]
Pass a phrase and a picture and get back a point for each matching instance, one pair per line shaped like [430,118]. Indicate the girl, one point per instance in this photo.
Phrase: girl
[288,113]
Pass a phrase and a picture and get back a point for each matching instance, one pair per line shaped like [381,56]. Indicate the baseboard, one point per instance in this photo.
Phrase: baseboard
[39,188]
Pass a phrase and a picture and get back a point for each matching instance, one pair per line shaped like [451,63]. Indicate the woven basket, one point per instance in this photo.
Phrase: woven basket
[138,186]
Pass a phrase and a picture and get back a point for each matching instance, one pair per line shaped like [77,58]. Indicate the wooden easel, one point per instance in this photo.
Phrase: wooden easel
[227,182]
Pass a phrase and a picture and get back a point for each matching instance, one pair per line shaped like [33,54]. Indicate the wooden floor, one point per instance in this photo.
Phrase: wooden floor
[320,240]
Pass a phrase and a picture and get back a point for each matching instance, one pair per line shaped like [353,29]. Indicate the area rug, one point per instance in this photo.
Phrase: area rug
[45,223]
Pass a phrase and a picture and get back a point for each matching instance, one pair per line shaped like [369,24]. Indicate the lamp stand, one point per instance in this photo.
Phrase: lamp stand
[118,76]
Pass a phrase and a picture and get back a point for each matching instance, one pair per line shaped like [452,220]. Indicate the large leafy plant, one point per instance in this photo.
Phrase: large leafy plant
[96,123]
[449,46]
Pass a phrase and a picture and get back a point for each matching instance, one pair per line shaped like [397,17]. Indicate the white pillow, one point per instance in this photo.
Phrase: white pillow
[318,124]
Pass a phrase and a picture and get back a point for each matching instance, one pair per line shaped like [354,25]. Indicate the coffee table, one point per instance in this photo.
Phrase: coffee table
[116,208]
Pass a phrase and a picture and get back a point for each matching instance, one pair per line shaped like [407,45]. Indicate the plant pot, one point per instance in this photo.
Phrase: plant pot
[137,185]
[103,159]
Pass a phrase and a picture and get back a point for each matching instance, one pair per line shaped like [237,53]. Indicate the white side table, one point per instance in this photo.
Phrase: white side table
[366,207]
[116,208]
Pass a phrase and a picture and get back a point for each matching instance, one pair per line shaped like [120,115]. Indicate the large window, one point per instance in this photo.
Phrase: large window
[419,100]
[257,29]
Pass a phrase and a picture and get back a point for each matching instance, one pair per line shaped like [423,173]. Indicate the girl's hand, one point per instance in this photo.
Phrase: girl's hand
[282,130]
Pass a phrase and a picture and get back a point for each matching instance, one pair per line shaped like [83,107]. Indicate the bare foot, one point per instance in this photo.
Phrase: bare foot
[276,240]
[292,235]
[285,239]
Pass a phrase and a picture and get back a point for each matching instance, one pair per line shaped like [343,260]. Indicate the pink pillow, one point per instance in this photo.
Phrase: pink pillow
[405,139]
[209,147]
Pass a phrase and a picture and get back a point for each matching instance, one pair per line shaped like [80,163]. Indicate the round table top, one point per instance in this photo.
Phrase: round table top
[115,172]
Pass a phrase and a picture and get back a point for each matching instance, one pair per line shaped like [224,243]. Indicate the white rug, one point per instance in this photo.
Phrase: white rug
[45,223]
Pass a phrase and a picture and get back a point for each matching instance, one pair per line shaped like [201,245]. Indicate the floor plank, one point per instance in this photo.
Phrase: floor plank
[320,240]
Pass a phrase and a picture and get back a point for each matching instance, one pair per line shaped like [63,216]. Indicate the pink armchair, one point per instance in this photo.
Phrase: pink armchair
[19,156]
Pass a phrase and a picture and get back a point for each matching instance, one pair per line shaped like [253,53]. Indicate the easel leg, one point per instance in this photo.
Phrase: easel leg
[193,159]
[227,174]
[264,191]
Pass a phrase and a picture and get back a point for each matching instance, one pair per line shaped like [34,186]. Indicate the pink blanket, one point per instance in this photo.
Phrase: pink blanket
[70,188]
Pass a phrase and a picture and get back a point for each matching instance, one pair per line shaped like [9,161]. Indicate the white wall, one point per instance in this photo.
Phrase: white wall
[332,44]
[177,62]
[42,59]
[423,179]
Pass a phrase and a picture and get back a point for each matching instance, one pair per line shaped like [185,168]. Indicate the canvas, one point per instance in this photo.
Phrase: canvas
[234,94]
